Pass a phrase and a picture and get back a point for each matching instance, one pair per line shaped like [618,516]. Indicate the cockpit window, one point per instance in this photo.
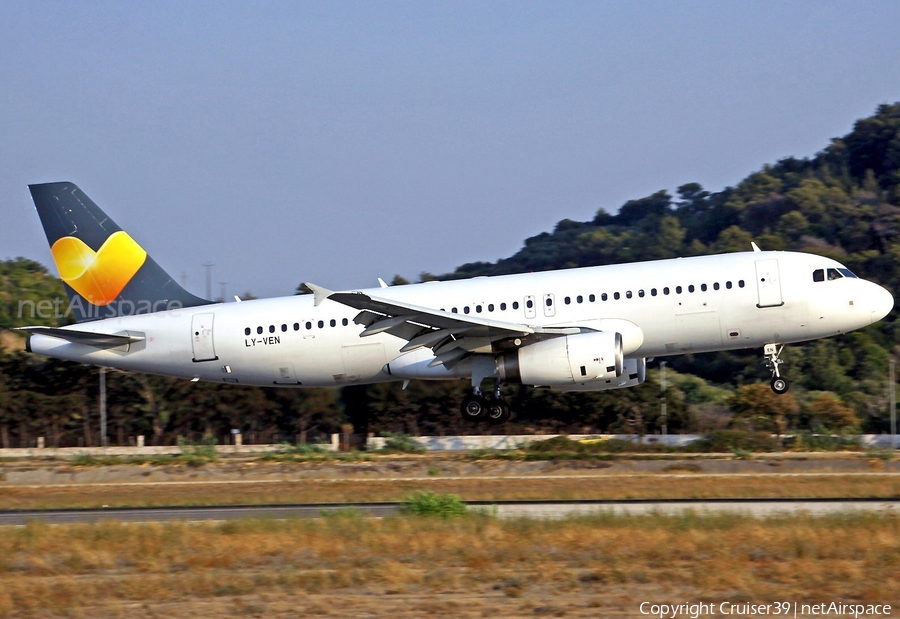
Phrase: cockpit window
[820,275]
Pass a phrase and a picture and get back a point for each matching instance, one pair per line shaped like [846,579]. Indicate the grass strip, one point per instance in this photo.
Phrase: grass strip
[602,562]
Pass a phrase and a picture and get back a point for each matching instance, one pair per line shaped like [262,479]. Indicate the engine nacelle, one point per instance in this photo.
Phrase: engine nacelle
[567,360]
[635,373]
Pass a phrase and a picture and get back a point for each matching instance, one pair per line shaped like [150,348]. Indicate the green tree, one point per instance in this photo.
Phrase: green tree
[826,412]
[760,409]
[732,239]
[657,205]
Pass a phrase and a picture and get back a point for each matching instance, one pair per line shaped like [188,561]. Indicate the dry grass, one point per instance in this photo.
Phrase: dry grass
[357,490]
[405,566]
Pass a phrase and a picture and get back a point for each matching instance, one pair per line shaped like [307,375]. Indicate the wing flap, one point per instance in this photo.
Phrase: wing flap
[450,335]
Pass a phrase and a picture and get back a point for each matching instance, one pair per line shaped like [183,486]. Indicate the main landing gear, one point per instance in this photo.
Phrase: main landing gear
[494,410]
[772,353]
[475,406]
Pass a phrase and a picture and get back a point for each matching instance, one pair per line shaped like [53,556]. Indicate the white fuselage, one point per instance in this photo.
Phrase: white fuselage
[666,307]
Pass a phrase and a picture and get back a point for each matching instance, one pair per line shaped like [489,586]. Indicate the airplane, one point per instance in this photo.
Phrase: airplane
[580,329]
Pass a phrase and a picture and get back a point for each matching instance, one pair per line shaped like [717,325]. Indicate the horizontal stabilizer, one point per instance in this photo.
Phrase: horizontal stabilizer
[99,340]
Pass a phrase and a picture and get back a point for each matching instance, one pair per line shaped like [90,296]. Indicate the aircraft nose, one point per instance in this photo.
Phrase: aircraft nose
[882,302]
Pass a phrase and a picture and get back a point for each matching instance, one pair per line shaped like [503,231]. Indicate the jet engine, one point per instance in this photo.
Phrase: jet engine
[568,360]
[635,374]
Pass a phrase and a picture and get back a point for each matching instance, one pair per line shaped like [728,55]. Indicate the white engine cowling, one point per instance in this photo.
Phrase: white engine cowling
[635,374]
[567,360]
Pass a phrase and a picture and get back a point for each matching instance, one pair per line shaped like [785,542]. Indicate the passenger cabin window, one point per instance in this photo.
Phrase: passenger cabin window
[691,288]
[702,287]
[616,296]
[653,292]
[592,298]
[740,283]
[321,324]
[308,325]
[529,304]
[568,300]
[677,289]
[604,296]
[283,328]
[296,326]
[271,328]
[478,309]
[247,331]
[716,286]
[490,307]
[503,307]
[666,290]
[580,299]
[345,322]
[641,293]
[259,330]
[728,285]
[628,294]
[515,305]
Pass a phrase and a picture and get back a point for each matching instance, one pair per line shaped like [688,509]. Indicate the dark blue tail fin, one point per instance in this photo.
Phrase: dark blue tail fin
[105,271]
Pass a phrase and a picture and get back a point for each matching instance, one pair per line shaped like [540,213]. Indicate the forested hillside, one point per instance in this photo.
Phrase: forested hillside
[843,203]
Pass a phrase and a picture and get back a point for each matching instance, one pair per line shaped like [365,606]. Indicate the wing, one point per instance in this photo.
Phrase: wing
[451,336]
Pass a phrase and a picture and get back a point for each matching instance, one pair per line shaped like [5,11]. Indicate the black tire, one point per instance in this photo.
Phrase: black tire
[473,407]
[779,385]
[497,412]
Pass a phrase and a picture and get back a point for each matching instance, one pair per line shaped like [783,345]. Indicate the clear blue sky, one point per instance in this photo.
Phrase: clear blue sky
[337,142]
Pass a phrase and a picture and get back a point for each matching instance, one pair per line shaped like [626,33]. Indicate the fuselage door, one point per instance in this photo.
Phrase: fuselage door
[530,310]
[549,305]
[768,283]
[202,337]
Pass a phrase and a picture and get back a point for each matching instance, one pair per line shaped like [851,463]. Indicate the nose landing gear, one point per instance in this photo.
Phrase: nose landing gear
[772,353]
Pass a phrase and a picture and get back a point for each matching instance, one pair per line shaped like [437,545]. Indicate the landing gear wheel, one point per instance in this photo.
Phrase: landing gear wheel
[773,360]
[498,411]
[779,385]
[474,407]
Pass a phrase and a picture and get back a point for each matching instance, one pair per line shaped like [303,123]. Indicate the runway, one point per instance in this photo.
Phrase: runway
[445,478]
[500,509]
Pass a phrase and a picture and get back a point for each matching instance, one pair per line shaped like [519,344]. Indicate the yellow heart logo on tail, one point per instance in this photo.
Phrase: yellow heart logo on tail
[98,276]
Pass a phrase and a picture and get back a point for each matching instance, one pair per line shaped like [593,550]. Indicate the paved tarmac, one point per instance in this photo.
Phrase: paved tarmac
[339,480]
[502,509]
